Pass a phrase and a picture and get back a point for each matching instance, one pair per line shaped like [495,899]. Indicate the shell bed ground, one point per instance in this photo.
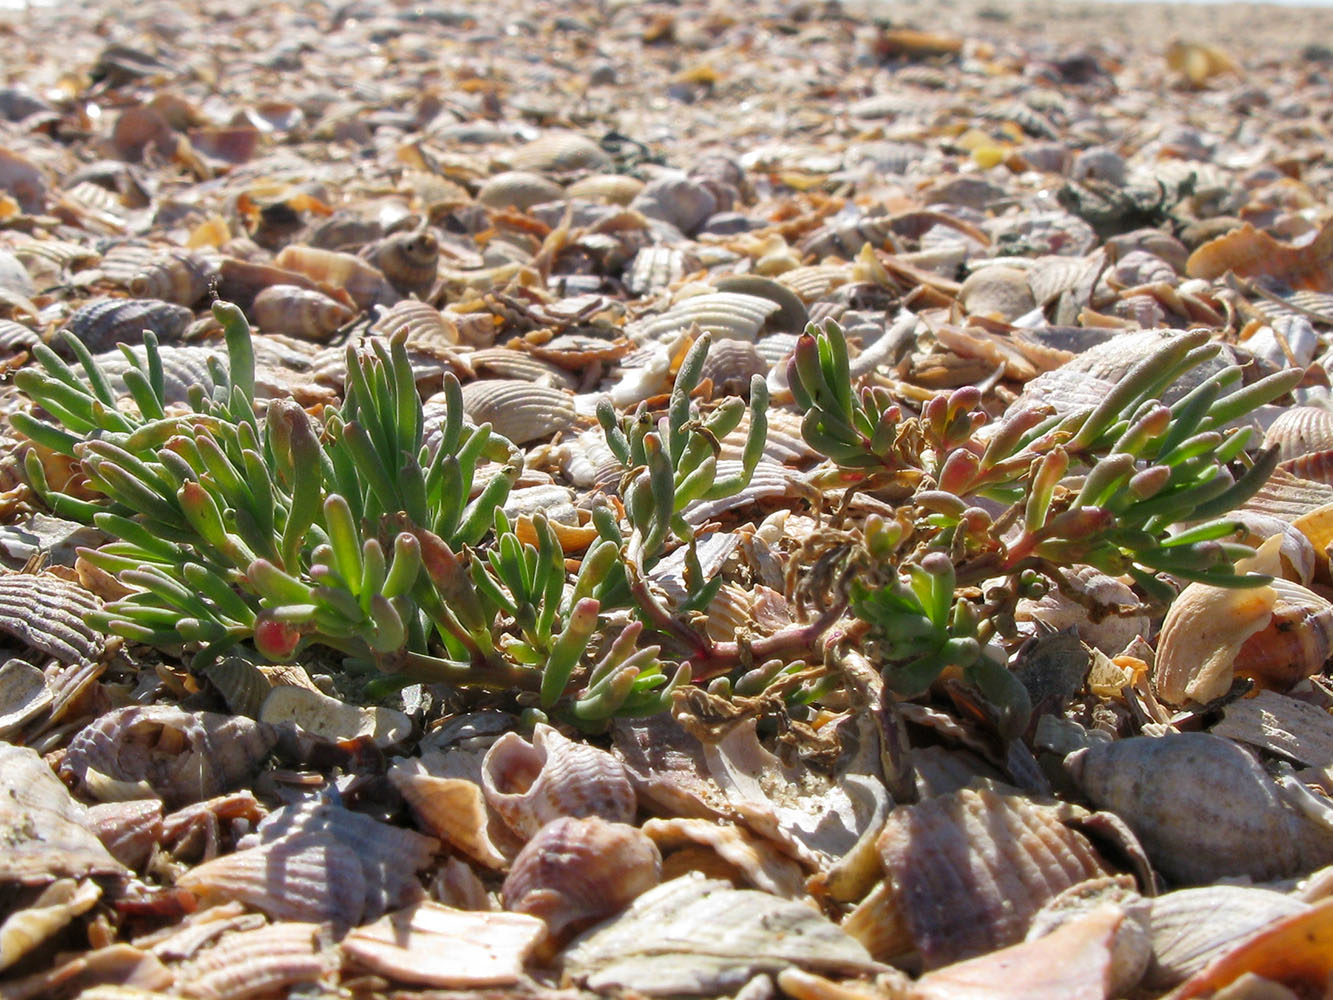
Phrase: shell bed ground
[564,188]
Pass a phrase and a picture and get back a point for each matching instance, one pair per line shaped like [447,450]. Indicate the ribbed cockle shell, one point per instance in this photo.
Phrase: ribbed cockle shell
[530,784]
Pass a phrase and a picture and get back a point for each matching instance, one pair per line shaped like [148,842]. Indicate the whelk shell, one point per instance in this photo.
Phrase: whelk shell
[298,312]
[103,323]
[364,282]
[530,784]
[159,750]
[1202,806]
[576,871]
[408,260]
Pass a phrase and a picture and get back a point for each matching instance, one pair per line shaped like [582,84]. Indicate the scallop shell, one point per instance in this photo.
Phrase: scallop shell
[657,267]
[1277,635]
[970,869]
[530,784]
[409,260]
[791,316]
[45,831]
[158,750]
[259,963]
[521,411]
[424,324]
[103,323]
[364,282]
[1300,431]
[1202,806]
[814,282]
[389,856]
[723,314]
[518,189]
[504,363]
[1191,927]
[48,613]
[577,871]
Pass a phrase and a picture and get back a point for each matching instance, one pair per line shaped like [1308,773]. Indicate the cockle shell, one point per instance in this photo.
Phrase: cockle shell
[1277,635]
[723,314]
[130,830]
[159,750]
[1300,431]
[259,963]
[530,784]
[103,323]
[1203,807]
[969,870]
[424,324]
[576,871]
[521,411]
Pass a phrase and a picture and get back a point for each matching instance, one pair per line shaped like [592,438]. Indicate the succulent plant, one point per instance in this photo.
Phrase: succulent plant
[1131,486]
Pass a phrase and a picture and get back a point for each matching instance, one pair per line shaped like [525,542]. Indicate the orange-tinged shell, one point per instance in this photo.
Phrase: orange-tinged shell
[298,312]
[1277,635]
[969,870]
[1198,62]
[530,784]
[1251,253]
[574,872]
[1316,466]
[363,281]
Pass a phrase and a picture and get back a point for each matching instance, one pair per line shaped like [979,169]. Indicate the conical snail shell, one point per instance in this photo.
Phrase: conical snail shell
[530,784]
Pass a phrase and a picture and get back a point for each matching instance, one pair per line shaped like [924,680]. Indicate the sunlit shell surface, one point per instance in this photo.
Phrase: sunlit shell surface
[530,784]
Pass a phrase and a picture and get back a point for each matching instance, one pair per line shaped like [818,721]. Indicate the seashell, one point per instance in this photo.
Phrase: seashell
[259,963]
[731,364]
[48,613]
[747,860]
[1252,253]
[389,856]
[298,312]
[59,903]
[1203,807]
[1280,725]
[364,282]
[101,324]
[424,324]
[530,784]
[1112,633]
[791,316]
[333,719]
[814,282]
[437,946]
[1277,635]
[1295,950]
[1101,953]
[24,180]
[723,314]
[175,276]
[24,695]
[998,292]
[970,869]
[240,281]
[157,750]
[1299,431]
[657,267]
[505,363]
[677,199]
[560,152]
[130,830]
[453,809]
[409,260]
[242,684]
[846,238]
[614,189]
[695,936]
[44,830]
[578,871]
[1198,62]
[1192,927]
[521,411]
[518,189]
